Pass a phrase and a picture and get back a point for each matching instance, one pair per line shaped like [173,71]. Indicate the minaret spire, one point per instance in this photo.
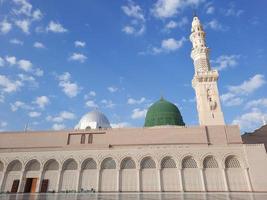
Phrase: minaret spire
[205,79]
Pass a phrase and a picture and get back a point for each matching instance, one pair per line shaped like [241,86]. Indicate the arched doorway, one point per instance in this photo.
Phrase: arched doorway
[149,176]
[31,176]
[191,175]
[108,175]
[169,175]
[50,176]
[128,178]
[235,175]
[69,175]
[88,175]
[12,178]
[213,175]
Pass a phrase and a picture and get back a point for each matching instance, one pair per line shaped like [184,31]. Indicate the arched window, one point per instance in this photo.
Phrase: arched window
[128,163]
[189,162]
[147,163]
[70,164]
[210,162]
[15,165]
[232,162]
[108,163]
[33,165]
[89,164]
[51,165]
[168,162]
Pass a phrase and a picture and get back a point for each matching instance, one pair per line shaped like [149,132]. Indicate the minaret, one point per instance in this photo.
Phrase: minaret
[205,79]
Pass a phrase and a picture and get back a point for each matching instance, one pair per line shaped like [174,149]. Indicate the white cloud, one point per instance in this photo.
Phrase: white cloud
[170,8]
[38,72]
[91,104]
[216,25]
[133,10]
[108,103]
[12,60]
[37,15]
[16,41]
[71,89]
[257,103]
[62,116]
[24,25]
[34,114]
[55,27]
[90,94]
[172,24]
[210,10]
[5,26]
[120,125]
[171,44]
[42,101]
[235,93]
[112,89]
[38,45]
[25,7]
[232,11]
[138,113]
[30,79]
[25,65]
[3,124]
[129,30]
[19,105]
[251,120]
[132,101]
[58,127]
[79,43]
[8,86]
[225,61]
[78,57]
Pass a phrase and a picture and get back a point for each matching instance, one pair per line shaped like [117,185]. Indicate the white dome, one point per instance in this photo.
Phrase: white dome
[93,120]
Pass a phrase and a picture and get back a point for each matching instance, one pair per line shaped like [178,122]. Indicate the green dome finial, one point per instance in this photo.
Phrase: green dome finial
[163,113]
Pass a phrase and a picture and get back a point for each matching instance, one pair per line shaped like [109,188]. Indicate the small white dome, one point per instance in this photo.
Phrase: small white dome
[93,120]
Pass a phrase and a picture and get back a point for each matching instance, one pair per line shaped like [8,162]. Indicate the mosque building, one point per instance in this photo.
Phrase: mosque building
[164,155]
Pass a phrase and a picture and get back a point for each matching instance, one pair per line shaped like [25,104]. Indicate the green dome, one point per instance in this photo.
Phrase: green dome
[163,113]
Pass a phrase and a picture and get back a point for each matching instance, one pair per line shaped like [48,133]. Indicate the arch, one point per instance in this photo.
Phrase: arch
[167,162]
[169,175]
[89,163]
[128,163]
[108,163]
[51,164]
[70,164]
[210,162]
[88,174]
[128,176]
[232,162]
[149,175]
[14,165]
[212,174]
[108,178]
[1,166]
[33,165]
[189,162]
[147,163]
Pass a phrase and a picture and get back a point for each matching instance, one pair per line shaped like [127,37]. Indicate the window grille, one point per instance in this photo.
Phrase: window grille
[51,165]
[33,165]
[108,163]
[189,162]
[89,164]
[148,163]
[70,165]
[15,166]
[210,162]
[232,162]
[128,163]
[168,163]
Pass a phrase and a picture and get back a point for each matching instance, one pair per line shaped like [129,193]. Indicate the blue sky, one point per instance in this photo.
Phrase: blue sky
[62,59]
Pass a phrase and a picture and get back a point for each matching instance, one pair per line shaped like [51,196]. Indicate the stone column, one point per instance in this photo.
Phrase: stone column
[98,174]
[202,180]
[180,174]
[39,181]
[248,179]
[2,180]
[118,179]
[159,179]
[138,182]
[59,180]
[225,180]
[78,181]
[21,181]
